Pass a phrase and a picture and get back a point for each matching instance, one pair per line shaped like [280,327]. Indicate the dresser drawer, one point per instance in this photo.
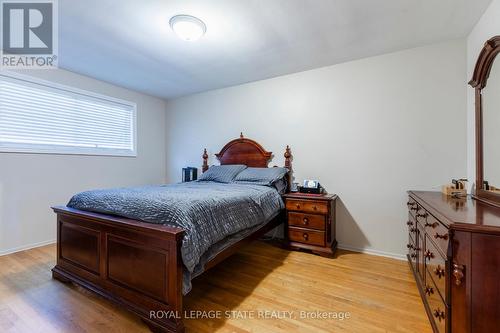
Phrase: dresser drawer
[421,216]
[438,233]
[413,259]
[411,245]
[412,206]
[306,236]
[412,249]
[412,226]
[439,310]
[436,266]
[307,206]
[307,220]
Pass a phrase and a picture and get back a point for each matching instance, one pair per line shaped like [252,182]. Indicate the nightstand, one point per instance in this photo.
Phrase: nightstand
[311,222]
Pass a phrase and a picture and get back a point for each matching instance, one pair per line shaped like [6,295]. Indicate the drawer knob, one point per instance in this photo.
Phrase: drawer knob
[306,221]
[439,314]
[413,229]
[413,255]
[298,206]
[439,272]
[458,273]
[429,290]
[410,246]
[445,236]
[432,225]
[305,236]
[429,255]
[315,208]
[409,223]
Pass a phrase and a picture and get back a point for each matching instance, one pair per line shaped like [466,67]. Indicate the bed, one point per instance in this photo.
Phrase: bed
[145,265]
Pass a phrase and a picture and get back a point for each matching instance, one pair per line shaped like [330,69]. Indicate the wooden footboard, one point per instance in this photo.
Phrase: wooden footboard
[132,263]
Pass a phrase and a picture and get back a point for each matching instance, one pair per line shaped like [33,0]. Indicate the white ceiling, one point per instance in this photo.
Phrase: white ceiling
[129,42]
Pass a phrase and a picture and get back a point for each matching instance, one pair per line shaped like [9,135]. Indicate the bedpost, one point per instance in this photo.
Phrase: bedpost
[288,158]
[205,161]
[288,165]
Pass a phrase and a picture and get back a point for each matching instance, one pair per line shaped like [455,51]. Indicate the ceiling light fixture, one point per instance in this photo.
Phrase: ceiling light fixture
[188,27]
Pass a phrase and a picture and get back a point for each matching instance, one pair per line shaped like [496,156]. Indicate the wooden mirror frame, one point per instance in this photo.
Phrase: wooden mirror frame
[479,80]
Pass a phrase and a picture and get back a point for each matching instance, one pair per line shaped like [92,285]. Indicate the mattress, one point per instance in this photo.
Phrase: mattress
[213,215]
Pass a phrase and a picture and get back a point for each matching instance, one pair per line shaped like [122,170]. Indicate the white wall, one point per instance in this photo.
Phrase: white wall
[487,27]
[368,130]
[31,183]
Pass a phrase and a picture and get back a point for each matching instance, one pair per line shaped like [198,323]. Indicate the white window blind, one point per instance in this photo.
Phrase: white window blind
[42,117]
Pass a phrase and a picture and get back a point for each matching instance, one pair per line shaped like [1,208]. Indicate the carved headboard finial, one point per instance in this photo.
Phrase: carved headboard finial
[288,158]
[241,135]
[288,165]
[205,161]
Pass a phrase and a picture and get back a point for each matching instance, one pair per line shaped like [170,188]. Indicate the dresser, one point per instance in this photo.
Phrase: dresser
[454,253]
[310,222]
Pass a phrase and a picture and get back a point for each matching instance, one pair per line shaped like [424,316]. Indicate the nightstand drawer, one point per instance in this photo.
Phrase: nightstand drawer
[306,236]
[306,220]
[307,206]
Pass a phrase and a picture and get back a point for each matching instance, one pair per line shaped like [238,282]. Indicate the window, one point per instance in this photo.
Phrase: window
[42,117]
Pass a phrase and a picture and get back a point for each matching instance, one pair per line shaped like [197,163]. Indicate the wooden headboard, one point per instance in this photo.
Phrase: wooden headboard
[247,152]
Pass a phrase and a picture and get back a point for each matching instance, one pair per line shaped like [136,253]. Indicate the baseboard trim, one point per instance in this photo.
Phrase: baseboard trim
[26,247]
[373,252]
[340,246]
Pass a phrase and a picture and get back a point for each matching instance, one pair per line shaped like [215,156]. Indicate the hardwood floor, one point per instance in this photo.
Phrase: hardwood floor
[378,293]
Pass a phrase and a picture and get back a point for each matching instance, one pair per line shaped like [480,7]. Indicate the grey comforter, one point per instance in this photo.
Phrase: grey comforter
[209,212]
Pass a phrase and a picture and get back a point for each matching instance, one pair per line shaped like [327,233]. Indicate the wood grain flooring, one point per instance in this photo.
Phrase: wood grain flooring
[261,282]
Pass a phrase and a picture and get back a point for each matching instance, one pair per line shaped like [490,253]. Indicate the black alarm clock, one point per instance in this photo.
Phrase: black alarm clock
[310,186]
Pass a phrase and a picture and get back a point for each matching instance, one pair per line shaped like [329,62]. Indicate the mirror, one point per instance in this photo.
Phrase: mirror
[491,130]
[486,82]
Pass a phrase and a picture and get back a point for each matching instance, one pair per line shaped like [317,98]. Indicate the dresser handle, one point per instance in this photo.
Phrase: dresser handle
[305,220]
[409,223]
[458,273]
[410,246]
[439,272]
[413,229]
[415,208]
[429,290]
[424,215]
[445,236]
[433,225]
[305,236]
[439,314]
[413,255]
[315,208]
[298,206]
[429,255]
[411,204]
